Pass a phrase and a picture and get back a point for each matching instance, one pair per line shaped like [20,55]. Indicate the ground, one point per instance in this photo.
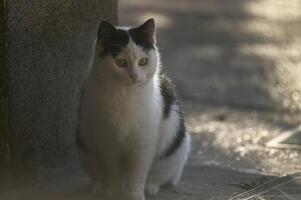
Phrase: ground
[236,65]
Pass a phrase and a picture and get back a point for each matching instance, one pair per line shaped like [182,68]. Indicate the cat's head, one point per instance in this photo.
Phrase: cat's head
[127,56]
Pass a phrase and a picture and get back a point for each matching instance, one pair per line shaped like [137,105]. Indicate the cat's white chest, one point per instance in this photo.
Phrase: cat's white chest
[139,112]
[133,112]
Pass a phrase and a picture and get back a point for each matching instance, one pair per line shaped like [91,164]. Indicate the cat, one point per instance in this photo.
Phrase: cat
[131,133]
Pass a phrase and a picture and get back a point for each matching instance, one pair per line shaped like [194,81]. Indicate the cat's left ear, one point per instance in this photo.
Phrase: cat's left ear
[105,32]
[148,29]
[145,34]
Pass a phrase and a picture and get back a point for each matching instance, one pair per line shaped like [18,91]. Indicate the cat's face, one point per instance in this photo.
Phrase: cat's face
[127,56]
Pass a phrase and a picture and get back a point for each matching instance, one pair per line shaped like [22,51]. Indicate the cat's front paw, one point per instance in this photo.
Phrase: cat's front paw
[151,189]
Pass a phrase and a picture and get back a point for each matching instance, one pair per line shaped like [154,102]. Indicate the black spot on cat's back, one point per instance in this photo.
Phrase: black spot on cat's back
[169,99]
[177,140]
[168,94]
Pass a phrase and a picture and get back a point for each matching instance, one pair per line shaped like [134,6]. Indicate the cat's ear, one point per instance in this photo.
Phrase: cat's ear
[148,29]
[145,34]
[105,31]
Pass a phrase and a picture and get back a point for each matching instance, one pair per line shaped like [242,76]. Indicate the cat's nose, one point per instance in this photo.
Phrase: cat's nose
[133,76]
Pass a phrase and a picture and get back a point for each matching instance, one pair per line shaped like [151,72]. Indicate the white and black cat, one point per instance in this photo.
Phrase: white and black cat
[131,132]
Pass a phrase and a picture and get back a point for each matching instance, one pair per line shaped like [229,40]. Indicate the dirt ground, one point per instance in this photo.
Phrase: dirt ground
[237,68]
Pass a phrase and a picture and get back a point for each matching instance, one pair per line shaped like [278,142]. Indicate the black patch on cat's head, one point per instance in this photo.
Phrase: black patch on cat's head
[111,39]
[144,35]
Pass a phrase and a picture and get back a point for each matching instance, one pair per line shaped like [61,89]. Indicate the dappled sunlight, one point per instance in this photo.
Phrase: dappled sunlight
[279,10]
[205,52]
[279,21]
[237,69]
[262,28]
[271,51]
[287,67]
[237,139]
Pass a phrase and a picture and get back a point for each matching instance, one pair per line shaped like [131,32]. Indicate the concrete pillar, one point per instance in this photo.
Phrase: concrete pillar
[48,47]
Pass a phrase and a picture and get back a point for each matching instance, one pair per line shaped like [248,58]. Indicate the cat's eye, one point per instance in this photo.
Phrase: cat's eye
[143,61]
[120,62]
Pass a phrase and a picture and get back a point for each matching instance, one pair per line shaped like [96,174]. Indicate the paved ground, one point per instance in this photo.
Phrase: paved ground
[236,65]
[199,182]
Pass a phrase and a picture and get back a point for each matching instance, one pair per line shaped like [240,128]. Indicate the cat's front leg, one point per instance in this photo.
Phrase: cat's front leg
[135,173]
[136,165]
[127,186]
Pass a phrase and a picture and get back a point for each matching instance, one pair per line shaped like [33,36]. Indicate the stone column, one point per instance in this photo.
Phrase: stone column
[48,47]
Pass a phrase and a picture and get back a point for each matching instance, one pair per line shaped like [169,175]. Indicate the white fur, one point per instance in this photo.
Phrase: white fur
[122,125]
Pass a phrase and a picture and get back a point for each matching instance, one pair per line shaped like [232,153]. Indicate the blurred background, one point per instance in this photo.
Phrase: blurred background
[237,68]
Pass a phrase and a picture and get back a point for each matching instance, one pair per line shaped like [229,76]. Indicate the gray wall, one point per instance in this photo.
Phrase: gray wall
[48,48]
[3,97]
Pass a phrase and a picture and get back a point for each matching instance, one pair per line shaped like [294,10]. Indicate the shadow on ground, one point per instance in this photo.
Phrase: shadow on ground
[197,183]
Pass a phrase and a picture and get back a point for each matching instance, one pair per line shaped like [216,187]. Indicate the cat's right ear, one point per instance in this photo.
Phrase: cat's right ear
[105,31]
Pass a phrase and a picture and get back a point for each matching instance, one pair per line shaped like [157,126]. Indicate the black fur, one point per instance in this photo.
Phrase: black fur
[177,141]
[111,40]
[144,35]
[141,40]
[168,94]
[169,97]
